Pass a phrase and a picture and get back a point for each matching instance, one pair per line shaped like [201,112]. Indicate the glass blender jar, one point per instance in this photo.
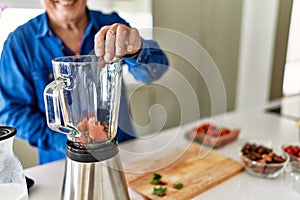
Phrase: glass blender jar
[83,102]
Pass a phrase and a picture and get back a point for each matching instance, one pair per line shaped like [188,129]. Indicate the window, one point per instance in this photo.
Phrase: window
[291,80]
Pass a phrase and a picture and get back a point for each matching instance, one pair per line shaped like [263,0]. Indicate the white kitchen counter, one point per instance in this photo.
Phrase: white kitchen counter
[253,125]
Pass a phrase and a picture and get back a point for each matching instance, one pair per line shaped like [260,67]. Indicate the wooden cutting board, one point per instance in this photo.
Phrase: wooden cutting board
[196,173]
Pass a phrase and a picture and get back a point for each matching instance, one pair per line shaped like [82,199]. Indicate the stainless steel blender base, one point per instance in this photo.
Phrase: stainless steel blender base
[94,181]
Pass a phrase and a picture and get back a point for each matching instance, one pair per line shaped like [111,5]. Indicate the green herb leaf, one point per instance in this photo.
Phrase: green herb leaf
[156,176]
[156,179]
[178,185]
[159,191]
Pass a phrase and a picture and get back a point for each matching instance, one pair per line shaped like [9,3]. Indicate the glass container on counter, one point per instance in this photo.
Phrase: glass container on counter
[12,180]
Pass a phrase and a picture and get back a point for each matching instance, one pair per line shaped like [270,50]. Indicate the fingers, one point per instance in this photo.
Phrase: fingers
[110,43]
[121,40]
[117,40]
[134,41]
[100,41]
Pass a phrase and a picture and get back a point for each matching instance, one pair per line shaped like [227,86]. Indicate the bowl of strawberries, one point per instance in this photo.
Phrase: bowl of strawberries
[293,151]
[212,135]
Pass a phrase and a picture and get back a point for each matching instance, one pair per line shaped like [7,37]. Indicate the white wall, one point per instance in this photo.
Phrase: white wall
[258,31]
[11,18]
[215,25]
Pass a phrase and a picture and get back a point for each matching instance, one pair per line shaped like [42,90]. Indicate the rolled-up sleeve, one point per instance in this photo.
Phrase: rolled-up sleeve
[149,64]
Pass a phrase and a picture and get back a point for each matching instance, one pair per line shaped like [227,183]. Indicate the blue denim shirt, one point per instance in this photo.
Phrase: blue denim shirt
[26,69]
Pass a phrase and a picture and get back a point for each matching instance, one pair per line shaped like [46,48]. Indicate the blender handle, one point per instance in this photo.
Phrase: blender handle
[52,105]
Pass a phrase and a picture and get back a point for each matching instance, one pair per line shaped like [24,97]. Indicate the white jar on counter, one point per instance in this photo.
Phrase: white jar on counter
[12,180]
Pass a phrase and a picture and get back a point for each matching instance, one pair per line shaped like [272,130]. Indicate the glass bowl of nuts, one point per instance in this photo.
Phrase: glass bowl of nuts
[293,151]
[259,159]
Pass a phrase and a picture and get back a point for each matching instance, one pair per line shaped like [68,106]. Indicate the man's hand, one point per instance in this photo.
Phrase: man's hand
[117,40]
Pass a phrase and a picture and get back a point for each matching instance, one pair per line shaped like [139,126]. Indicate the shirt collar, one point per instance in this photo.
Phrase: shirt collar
[44,27]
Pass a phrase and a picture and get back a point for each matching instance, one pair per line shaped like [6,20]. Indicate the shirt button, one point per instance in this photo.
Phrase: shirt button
[154,70]
[139,58]
[50,76]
